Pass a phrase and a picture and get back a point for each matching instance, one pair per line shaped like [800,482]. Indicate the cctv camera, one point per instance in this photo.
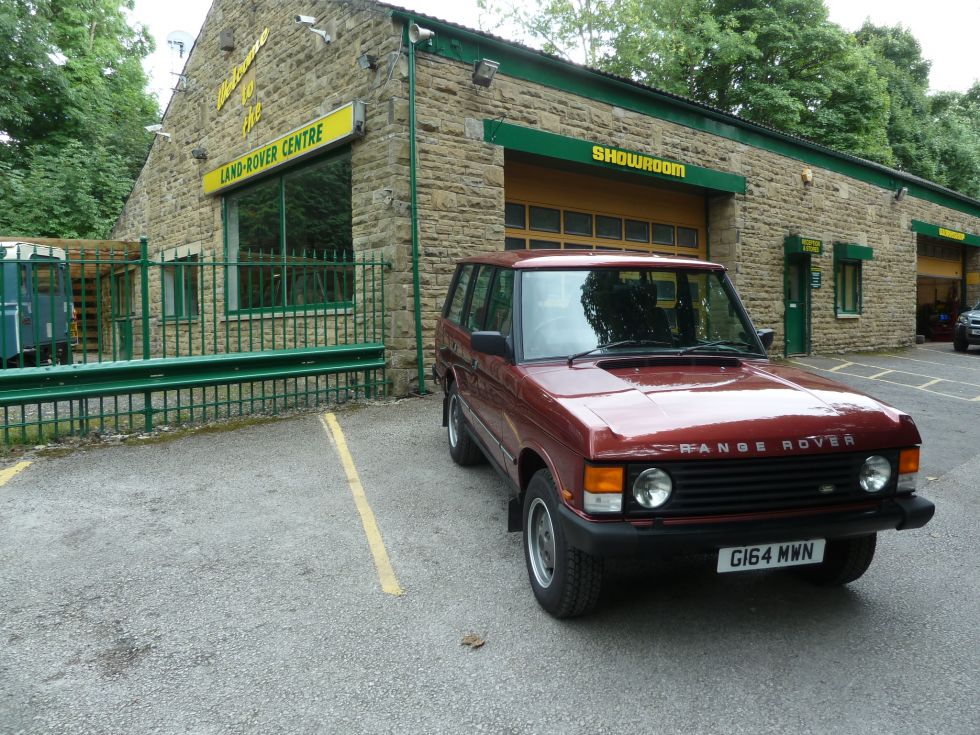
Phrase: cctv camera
[305,19]
[155,128]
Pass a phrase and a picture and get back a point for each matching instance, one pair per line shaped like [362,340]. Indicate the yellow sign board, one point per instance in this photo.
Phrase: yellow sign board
[638,161]
[336,127]
[952,234]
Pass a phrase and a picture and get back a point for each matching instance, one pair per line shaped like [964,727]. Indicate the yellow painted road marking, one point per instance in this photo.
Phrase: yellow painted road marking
[386,574]
[6,474]
[840,367]
[868,365]
[878,375]
[931,382]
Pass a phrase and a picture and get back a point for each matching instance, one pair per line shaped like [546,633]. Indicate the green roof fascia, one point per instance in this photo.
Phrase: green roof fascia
[852,251]
[945,233]
[467,46]
[529,140]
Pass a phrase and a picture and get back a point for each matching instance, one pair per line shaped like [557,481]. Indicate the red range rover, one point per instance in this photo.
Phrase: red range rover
[629,402]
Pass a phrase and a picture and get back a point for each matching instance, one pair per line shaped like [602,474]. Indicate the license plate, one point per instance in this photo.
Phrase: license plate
[975,331]
[770,556]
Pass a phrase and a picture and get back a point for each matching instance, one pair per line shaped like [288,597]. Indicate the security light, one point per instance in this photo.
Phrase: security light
[367,61]
[901,193]
[483,72]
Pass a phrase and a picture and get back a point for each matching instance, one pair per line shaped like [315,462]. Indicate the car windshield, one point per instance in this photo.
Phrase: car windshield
[571,313]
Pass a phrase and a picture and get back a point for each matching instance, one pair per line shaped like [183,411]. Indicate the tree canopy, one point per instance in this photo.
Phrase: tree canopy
[72,115]
[780,63]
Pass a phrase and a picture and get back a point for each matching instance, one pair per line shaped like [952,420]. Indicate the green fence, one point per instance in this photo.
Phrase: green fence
[103,341]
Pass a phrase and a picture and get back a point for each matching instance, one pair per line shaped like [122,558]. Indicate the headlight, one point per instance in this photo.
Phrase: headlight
[875,474]
[652,488]
[963,319]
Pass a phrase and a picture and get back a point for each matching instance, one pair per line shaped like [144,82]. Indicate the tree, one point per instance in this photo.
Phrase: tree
[955,145]
[72,115]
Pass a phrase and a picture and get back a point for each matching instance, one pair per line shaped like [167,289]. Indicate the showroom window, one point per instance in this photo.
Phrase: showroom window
[289,240]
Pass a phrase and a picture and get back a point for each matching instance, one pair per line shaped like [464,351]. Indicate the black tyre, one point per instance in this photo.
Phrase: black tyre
[959,343]
[462,448]
[565,581]
[844,560]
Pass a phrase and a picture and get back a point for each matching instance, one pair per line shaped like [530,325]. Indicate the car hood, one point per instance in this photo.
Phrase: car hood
[704,407]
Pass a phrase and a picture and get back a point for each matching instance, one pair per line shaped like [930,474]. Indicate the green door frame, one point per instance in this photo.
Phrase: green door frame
[803,340]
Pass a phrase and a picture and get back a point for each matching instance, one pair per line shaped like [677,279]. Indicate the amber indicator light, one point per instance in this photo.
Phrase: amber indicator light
[908,461]
[604,479]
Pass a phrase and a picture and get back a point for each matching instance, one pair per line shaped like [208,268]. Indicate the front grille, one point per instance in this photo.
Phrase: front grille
[975,322]
[710,487]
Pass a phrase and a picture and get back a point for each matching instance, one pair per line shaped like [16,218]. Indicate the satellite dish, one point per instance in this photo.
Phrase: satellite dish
[181,42]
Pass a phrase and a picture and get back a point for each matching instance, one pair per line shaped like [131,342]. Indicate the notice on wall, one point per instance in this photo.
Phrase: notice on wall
[816,276]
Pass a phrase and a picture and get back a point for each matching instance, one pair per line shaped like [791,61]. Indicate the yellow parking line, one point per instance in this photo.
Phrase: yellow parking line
[6,474]
[839,367]
[878,375]
[389,584]
[892,382]
[931,382]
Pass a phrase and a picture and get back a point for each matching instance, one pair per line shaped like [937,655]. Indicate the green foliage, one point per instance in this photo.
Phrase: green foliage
[71,127]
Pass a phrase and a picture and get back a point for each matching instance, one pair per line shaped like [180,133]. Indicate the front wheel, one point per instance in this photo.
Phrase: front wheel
[566,581]
[844,560]
[960,344]
[462,448]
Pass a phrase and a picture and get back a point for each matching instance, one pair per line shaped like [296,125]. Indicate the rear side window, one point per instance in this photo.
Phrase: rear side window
[478,304]
[458,297]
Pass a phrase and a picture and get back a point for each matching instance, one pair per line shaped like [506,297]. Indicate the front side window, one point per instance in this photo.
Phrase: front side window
[500,305]
[290,239]
[454,311]
[478,303]
[564,312]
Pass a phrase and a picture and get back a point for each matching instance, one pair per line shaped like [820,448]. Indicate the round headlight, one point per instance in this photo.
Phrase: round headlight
[652,488]
[875,474]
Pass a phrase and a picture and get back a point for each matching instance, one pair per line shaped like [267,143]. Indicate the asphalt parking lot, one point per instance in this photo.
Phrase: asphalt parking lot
[303,576]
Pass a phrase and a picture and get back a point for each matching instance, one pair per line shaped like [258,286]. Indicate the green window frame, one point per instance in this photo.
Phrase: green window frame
[182,286]
[847,286]
[289,240]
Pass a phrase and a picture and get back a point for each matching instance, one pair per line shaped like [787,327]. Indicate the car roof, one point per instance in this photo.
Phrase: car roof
[534,259]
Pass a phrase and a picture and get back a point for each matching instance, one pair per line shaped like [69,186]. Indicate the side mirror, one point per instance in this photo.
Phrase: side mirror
[766,336]
[491,343]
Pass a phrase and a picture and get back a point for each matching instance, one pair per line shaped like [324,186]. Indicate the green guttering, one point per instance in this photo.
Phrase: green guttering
[945,233]
[466,46]
[529,140]
[413,186]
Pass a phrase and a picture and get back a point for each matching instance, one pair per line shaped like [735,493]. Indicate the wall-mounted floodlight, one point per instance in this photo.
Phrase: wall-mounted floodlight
[367,61]
[418,34]
[901,193]
[157,129]
[308,21]
[483,71]
[199,154]
[807,177]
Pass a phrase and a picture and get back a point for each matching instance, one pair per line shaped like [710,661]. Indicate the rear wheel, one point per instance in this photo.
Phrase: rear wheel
[844,560]
[566,581]
[462,448]
[959,343]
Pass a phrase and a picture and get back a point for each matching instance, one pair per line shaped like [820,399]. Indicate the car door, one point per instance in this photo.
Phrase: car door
[498,376]
[471,371]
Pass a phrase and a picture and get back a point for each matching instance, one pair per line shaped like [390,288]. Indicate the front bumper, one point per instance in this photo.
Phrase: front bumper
[962,331]
[622,538]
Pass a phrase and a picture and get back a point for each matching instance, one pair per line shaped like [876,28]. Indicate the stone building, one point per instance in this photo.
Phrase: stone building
[294,137]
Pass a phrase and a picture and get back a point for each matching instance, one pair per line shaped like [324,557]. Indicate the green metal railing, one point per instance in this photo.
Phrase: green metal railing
[183,338]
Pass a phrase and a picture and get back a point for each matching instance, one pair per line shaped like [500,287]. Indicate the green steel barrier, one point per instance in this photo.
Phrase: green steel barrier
[181,338]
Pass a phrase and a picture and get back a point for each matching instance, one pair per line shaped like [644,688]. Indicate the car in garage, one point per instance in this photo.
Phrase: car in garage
[966,332]
[630,404]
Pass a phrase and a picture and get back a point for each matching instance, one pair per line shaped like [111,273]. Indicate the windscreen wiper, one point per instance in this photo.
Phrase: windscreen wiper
[620,343]
[717,343]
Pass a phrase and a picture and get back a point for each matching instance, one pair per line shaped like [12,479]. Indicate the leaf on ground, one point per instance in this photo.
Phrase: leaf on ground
[472,640]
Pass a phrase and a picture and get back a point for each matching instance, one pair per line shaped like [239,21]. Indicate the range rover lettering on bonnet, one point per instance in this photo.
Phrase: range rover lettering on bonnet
[629,403]
[785,445]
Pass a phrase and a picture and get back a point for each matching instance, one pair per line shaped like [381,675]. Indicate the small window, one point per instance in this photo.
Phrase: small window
[663,234]
[515,216]
[478,302]
[687,237]
[578,223]
[545,220]
[181,284]
[637,231]
[577,246]
[545,245]
[610,228]
[514,243]
[454,312]
[848,285]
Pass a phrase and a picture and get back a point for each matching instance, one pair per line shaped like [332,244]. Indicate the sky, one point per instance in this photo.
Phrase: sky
[948,31]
